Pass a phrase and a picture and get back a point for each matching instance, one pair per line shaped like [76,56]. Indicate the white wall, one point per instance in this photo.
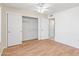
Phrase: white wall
[30,28]
[67,27]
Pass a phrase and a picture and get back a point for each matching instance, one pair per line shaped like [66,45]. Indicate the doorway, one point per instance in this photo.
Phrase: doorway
[30,28]
[52,28]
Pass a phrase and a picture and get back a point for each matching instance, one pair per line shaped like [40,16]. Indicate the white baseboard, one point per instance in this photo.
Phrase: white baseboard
[68,44]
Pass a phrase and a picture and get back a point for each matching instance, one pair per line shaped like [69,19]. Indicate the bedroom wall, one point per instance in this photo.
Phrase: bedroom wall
[67,27]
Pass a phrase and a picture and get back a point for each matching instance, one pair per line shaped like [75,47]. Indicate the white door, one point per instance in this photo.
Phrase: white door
[14,29]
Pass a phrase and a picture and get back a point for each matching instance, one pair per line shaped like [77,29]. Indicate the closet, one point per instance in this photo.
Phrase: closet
[30,28]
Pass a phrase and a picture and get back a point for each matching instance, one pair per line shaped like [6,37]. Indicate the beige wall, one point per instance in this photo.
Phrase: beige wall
[0,24]
[0,29]
[4,27]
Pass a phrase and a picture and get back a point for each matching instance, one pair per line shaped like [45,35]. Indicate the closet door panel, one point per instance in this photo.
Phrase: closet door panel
[14,29]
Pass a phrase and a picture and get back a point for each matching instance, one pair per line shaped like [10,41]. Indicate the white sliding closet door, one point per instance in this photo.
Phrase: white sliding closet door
[14,29]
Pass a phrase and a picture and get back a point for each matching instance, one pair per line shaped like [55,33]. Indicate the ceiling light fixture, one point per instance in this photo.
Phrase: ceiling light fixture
[42,7]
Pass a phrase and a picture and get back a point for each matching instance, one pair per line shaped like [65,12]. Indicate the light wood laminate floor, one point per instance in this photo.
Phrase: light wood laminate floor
[41,48]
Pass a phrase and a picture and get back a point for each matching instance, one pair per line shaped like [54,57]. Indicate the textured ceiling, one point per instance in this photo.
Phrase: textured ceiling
[52,7]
